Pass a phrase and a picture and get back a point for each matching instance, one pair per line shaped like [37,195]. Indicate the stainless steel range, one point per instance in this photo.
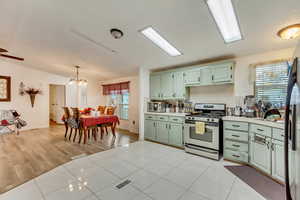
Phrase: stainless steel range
[209,142]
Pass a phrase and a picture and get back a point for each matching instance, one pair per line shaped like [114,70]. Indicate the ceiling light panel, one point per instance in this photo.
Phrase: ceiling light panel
[225,18]
[157,39]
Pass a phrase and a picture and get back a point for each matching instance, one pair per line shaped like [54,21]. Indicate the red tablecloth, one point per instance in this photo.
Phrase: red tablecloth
[88,120]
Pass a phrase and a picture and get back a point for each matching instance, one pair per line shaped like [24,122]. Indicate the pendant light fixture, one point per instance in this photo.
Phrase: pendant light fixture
[77,80]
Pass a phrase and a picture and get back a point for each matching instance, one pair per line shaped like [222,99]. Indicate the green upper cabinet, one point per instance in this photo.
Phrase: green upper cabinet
[178,85]
[155,90]
[206,76]
[167,84]
[222,73]
[192,76]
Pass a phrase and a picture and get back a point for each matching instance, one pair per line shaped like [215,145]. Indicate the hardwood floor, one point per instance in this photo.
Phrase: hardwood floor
[35,152]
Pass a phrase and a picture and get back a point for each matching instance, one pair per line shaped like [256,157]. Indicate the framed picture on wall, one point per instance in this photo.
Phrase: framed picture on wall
[5,88]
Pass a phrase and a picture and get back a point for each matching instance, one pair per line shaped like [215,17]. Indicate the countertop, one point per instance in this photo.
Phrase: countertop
[255,120]
[167,114]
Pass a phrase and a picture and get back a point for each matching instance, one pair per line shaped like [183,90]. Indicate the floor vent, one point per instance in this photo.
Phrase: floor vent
[123,184]
[79,156]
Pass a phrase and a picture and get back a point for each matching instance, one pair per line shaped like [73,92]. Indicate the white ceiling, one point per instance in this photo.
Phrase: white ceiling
[45,32]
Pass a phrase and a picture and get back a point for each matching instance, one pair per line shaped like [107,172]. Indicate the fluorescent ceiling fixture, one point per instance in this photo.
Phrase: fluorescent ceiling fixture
[152,35]
[225,18]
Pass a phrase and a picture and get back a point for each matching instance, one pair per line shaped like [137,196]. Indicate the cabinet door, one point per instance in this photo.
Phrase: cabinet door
[261,154]
[222,73]
[167,86]
[192,76]
[155,91]
[278,160]
[206,76]
[175,134]
[162,134]
[178,85]
[150,131]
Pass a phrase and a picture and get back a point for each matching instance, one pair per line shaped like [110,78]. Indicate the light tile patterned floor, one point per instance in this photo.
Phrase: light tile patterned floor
[157,172]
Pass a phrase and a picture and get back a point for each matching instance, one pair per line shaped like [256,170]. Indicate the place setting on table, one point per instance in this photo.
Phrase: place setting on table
[90,120]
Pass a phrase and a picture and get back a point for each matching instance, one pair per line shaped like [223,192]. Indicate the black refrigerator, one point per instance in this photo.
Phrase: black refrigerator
[292,133]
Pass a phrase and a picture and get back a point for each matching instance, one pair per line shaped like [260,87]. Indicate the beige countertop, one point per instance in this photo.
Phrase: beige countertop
[255,121]
[167,114]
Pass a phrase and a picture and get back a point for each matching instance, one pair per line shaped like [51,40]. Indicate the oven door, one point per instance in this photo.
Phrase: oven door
[210,139]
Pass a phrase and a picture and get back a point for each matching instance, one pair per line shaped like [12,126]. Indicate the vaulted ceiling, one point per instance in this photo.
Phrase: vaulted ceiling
[55,35]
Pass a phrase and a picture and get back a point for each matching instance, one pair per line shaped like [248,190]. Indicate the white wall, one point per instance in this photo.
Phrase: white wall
[38,116]
[243,85]
[132,124]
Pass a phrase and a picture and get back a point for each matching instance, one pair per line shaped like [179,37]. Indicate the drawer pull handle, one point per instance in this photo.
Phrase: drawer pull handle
[235,145]
[234,125]
[175,119]
[235,135]
[260,129]
[282,135]
[236,156]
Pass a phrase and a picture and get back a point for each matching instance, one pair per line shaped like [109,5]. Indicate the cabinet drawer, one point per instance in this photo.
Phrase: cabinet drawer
[237,146]
[162,118]
[176,119]
[150,117]
[262,130]
[236,135]
[278,134]
[238,126]
[236,156]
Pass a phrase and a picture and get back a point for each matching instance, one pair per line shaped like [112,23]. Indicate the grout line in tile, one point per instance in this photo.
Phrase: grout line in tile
[231,187]
[39,189]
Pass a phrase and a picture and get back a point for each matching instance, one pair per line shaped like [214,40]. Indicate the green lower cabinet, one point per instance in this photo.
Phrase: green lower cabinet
[150,130]
[278,160]
[162,132]
[260,152]
[175,134]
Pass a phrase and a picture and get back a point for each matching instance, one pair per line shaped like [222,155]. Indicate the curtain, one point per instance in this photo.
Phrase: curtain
[116,88]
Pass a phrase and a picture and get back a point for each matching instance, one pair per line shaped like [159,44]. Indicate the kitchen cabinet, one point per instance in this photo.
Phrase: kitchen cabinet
[164,129]
[175,134]
[178,85]
[155,89]
[162,132]
[206,76]
[192,76]
[150,130]
[167,85]
[222,74]
[260,152]
[278,160]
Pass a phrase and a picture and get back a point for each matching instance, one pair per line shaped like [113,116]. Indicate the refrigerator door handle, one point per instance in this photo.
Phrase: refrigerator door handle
[291,83]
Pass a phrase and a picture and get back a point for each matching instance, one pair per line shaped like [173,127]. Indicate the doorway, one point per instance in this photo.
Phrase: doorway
[57,100]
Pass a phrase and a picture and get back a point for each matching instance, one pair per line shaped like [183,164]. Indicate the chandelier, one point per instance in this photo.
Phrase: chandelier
[77,80]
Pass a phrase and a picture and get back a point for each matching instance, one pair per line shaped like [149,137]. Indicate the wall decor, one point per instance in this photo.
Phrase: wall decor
[5,88]
[32,92]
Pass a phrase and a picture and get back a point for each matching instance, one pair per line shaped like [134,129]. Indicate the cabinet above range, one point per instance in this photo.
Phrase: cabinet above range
[173,84]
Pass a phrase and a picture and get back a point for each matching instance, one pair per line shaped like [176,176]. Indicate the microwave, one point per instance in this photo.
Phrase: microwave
[159,107]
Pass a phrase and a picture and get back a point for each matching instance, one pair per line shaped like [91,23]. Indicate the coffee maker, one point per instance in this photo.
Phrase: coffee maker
[249,102]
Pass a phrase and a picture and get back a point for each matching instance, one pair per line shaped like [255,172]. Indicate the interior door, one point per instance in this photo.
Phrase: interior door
[60,103]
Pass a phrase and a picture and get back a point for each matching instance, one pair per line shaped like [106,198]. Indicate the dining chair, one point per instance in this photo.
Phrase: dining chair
[101,109]
[110,110]
[66,117]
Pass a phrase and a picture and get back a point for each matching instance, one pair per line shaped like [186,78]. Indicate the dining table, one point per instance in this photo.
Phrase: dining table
[87,121]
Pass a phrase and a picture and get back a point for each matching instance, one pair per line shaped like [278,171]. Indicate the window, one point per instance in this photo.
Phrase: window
[122,103]
[271,83]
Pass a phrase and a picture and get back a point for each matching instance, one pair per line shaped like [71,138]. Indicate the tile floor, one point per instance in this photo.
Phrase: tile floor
[156,172]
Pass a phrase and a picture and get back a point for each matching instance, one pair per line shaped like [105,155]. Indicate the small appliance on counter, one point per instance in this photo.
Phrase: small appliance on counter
[249,102]
[156,106]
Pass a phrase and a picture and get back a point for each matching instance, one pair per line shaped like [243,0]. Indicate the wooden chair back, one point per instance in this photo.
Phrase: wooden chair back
[110,110]
[101,109]
[76,113]
[67,114]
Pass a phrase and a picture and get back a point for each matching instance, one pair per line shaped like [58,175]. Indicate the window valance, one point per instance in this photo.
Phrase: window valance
[116,88]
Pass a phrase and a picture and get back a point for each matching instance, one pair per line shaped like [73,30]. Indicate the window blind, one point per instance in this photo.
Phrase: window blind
[271,83]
